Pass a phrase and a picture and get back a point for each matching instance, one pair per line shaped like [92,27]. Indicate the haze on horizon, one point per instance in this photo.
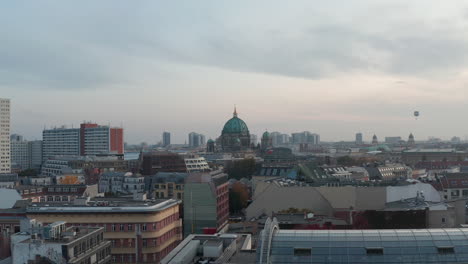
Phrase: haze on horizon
[333,68]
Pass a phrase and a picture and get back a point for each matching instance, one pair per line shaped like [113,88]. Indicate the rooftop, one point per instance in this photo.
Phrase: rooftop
[105,205]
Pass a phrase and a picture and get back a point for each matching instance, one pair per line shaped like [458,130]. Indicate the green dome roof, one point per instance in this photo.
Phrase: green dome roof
[235,125]
[266,134]
[210,141]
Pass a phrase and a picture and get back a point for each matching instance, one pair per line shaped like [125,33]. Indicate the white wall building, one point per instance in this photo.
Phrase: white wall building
[25,154]
[19,150]
[196,164]
[5,164]
[97,140]
[60,141]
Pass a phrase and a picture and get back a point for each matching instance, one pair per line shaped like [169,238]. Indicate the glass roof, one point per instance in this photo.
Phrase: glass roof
[370,246]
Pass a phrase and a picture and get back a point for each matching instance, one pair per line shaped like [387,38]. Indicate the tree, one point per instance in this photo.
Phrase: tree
[28,172]
[345,161]
[241,169]
[238,197]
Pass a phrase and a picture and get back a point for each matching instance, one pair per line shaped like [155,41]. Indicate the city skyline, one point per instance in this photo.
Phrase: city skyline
[330,68]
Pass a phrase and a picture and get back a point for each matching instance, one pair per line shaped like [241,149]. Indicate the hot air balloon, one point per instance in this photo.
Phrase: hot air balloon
[416,114]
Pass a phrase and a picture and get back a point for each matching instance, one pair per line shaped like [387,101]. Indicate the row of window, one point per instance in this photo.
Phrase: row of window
[302,252]
[144,226]
[145,258]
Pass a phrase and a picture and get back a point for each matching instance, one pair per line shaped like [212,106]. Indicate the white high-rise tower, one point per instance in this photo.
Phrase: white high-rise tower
[5,164]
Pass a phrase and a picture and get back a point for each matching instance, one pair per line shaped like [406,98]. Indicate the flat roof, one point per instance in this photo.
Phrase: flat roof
[113,206]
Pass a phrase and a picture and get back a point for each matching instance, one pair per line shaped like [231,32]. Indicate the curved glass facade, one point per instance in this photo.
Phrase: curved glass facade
[369,246]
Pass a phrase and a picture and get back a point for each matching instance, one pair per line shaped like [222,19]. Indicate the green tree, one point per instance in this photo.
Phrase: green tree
[345,161]
[241,169]
[28,172]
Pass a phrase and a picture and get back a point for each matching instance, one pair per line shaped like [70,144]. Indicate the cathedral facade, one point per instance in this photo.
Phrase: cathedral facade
[235,135]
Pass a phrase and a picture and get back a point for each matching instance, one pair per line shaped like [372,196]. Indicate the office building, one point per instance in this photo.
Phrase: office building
[97,140]
[305,137]
[60,142]
[278,139]
[392,140]
[59,242]
[5,164]
[19,150]
[446,245]
[35,154]
[358,139]
[140,231]
[25,154]
[206,202]
[196,140]
[89,139]
[166,139]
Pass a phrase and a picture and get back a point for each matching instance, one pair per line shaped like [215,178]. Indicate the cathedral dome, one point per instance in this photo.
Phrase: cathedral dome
[235,125]
[266,135]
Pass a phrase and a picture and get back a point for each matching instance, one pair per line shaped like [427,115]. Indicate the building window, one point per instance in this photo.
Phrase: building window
[122,228]
[64,198]
[145,243]
[130,227]
[302,252]
[443,219]
[455,193]
[445,250]
[374,251]
[154,226]
[179,196]
[143,227]
[113,227]
[465,193]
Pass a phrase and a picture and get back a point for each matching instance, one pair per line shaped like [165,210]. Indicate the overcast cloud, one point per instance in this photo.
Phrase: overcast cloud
[334,68]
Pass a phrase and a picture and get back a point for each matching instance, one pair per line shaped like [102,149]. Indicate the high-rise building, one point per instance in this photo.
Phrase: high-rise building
[89,139]
[60,142]
[206,202]
[279,139]
[392,140]
[5,166]
[166,139]
[19,151]
[96,139]
[305,137]
[35,154]
[196,140]
[359,138]
[25,154]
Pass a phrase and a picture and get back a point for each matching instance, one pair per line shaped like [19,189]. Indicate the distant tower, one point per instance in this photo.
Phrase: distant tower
[374,140]
[210,146]
[166,139]
[358,138]
[267,141]
[411,141]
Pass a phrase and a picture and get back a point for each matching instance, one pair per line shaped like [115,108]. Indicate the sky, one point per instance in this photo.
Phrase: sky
[330,67]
